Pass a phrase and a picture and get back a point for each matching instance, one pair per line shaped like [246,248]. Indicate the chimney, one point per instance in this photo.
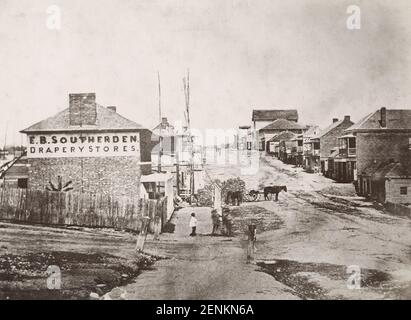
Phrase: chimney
[112,108]
[347,118]
[164,121]
[82,109]
[383,114]
[335,120]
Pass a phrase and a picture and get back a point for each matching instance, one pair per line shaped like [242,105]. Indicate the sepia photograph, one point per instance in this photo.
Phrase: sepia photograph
[222,152]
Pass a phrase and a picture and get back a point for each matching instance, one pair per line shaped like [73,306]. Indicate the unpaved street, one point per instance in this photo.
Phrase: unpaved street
[324,229]
[306,241]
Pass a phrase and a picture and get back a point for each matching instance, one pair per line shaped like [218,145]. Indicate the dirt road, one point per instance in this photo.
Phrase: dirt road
[202,267]
[325,230]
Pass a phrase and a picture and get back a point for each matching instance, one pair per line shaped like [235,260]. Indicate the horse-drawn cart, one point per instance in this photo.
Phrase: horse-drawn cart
[267,193]
[256,195]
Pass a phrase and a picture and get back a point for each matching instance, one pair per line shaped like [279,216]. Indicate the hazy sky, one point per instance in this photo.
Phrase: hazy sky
[263,53]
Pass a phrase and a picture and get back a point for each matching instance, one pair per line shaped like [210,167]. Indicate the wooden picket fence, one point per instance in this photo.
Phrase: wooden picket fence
[79,209]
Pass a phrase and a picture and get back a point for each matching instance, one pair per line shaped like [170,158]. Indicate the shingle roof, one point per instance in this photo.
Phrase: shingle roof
[283,125]
[282,136]
[272,115]
[107,120]
[396,119]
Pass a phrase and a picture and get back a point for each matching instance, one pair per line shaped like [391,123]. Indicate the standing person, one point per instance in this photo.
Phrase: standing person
[228,222]
[193,225]
[216,221]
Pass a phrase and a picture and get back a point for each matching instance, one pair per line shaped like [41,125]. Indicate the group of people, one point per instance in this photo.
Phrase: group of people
[222,224]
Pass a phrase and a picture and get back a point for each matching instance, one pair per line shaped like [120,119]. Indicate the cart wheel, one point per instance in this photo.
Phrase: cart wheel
[253,195]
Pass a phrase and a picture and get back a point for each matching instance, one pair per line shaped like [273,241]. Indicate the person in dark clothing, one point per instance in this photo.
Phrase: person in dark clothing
[228,222]
[216,221]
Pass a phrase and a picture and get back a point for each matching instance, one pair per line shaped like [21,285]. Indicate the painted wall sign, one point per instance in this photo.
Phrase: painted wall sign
[72,145]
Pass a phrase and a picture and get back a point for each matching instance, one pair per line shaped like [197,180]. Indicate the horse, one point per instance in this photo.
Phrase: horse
[273,190]
[236,197]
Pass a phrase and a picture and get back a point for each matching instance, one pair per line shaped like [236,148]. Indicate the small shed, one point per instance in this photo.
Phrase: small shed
[158,185]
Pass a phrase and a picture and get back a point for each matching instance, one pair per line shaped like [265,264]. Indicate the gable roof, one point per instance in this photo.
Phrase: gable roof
[388,169]
[282,136]
[311,131]
[283,125]
[107,120]
[330,128]
[396,119]
[272,115]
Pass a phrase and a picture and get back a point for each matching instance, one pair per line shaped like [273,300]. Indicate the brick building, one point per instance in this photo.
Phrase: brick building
[328,140]
[90,148]
[382,137]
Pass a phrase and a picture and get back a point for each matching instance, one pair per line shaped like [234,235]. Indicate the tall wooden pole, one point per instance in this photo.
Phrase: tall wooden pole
[186,82]
[160,151]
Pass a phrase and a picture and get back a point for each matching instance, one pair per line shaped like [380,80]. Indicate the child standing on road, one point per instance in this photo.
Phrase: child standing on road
[193,224]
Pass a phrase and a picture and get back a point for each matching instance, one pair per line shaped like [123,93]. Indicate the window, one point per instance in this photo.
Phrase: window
[351,143]
[403,190]
[22,183]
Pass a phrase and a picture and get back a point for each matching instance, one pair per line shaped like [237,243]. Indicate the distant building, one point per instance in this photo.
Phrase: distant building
[167,133]
[262,118]
[89,147]
[276,127]
[285,147]
[343,162]
[311,149]
[275,146]
[297,150]
[244,138]
[383,138]
[328,141]
[14,173]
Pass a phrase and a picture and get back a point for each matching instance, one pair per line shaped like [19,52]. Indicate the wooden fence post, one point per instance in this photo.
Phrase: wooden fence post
[157,227]
[143,234]
[251,242]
